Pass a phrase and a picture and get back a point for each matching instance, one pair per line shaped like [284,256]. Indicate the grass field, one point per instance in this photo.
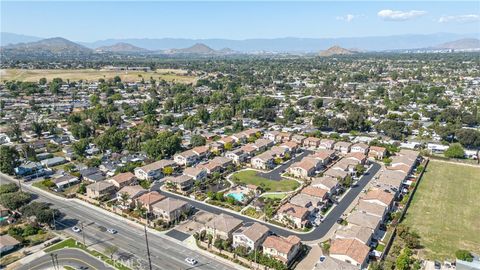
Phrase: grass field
[251,177]
[275,196]
[445,210]
[33,75]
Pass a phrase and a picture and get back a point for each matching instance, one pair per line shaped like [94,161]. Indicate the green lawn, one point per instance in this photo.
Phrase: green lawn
[275,196]
[445,210]
[251,177]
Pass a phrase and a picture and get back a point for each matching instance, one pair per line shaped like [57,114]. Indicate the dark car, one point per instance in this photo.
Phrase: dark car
[438,265]
[340,220]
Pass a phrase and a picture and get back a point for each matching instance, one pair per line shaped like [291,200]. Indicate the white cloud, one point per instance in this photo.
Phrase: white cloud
[397,15]
[347,18]
[460,18]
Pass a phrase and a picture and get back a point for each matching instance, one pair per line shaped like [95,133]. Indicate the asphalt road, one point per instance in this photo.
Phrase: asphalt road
[67,257]
[315,234]
[166,253]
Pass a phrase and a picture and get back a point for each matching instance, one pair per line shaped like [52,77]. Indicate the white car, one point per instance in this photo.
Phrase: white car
[112,231]
[191,261]
[76,229]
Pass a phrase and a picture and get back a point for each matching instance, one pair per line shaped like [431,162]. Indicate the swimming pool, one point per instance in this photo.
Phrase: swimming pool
[237,196]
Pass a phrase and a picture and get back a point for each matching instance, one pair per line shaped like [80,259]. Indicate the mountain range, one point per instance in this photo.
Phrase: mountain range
[22,43]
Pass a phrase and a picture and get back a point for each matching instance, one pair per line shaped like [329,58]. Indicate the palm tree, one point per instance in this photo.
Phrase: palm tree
[124,197]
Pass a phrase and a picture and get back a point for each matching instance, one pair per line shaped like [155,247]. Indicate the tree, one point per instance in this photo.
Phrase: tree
[80,146]
[111,250]
[15,200]
[40,210]
[203,115]
[42,81]
[168,170]
[403,261]
[37,128]
[392,128]
[9,159]
[318,103]
[165,144]
[198,140]
[464,255]
[469,138]
[290,114]
[29,153]
[15,132]
[320,121]
[455,151]
[8,188]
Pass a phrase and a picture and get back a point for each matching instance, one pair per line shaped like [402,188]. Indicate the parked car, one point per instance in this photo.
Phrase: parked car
[340,220]
[191,261]
[112,231]
[76,229]
[322,259]
[437,265]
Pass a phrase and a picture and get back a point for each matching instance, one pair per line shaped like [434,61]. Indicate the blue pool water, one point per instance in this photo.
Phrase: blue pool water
[237,196]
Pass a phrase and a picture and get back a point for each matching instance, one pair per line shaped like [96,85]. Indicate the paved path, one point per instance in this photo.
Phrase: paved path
[67,257]
[318,232]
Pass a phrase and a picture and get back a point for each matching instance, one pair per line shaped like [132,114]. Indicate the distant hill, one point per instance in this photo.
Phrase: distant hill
[466,43]
[11,38]
[198,48]
[121,47]
[55,45]
[292,44]
[336,50]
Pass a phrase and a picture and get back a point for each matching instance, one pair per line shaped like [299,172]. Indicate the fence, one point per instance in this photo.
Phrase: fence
[404,211]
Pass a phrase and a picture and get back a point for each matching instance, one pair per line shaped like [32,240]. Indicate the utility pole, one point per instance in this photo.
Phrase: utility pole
[148,249]
[53,261]
[56,259]
[83,235]
[54,224]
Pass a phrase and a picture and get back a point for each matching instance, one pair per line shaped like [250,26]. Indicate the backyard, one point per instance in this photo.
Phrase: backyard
[444,210]
[251,177]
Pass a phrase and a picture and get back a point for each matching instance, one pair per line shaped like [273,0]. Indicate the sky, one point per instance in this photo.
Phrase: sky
[90,21]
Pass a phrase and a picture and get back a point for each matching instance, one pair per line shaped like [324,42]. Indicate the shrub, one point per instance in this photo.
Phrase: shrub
[464,255]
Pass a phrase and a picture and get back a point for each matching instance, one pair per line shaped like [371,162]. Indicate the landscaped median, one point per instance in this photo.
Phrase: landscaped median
[251,177]
[71,243]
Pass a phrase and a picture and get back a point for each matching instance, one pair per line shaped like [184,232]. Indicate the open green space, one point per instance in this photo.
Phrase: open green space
[275,196]
[445,210]
[251,177]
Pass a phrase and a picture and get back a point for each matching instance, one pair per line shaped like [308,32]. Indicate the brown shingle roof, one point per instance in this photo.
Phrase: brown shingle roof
[351,248]
[281,244]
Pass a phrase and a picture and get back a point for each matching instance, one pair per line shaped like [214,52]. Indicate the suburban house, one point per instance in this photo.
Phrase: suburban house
[263,161]
[148,199]
[238,156]
[128,194]
[360,148]
[291,146]
[306,201]
[201,151]
[101,189]
[250,236]
[352,231]
[297,138]
[239,138]
[170,209]
[283,137]
[196,173]
[371,208]
[153,170]
[52,162]
[223,226]
[320,193]
[351,251]
[325,182]
[359,157]
[123,179]
[65,181]
[181,183]
[324,156]
[337,174]
[311,142]
[379,196]
[249,149]
[271,135]
[283,249]
[186,158]
[293,215]
[304,168]
[342,147]
[263,144]
[377,152]
[364,220]
[326,144]
[7,243]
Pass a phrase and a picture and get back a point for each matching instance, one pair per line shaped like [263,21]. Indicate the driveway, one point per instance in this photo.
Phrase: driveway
[276,174]
[67,257]
[318,232]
